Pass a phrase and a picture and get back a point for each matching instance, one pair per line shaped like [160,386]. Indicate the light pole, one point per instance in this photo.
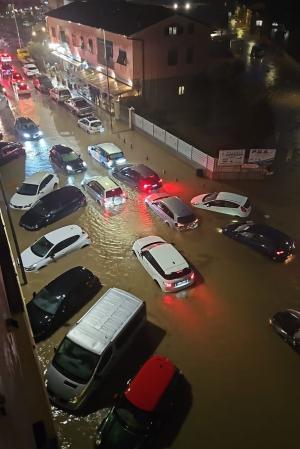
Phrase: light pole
[20,42]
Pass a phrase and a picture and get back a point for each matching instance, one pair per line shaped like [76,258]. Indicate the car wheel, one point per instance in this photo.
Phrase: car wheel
[167,223]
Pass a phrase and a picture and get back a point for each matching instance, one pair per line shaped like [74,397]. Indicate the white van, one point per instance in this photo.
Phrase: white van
[107,154]
[104,190]
[92,347]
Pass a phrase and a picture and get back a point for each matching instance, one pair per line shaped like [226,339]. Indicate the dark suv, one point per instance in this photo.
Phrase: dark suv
[52,207]
[42,83]
[139,412]
[10,150]
[60,299]
[138,176]
[66,158]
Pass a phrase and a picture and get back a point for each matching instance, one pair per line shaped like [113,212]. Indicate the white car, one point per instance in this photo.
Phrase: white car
[32,189]
[164,263]
[60,94]
[224,203]
[91,124]
[53,245]
[30,70]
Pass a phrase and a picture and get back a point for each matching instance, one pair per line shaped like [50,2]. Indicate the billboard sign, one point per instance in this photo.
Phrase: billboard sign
[262,155]
[231,157]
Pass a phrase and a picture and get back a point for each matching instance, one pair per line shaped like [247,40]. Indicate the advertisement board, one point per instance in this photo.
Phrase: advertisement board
[231,157]
[261,155]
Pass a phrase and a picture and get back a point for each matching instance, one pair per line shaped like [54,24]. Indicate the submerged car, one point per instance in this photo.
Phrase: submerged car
[22,89]
[60,299]
[10,150]
[27,129]
[167,267]
[104,190]
[138,176]
[263,238]
[66,159]
[172,211]
[224,203]
[60,94]
[30,70]
[32,189]
[53,207]
[287,325]
[91,124]
[79,106]
[42,83]
[139,413]
[54,245]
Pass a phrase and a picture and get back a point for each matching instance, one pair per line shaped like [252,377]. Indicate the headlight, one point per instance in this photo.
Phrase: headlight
[69,168]
[122,160]
[26,135]
[84,164]
[31,268]
[109,163]
[40,133]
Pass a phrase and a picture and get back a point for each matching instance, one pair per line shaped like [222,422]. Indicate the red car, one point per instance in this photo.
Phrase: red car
[22,88]
[16,78]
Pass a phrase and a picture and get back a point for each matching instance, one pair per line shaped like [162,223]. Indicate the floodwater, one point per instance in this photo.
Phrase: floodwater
[243,378]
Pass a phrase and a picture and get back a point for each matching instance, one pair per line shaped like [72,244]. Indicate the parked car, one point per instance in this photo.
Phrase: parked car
[32,189]
[10,150]
[54,245]
[22,53]
[139,413]
[257,51]
[287,325]
[66,159]
[138,176]
[60,299]
[173,211]
[79,106]
[42,83]
[104,190]
[60,94]
[5,58]
[91,124]
[263,238]
[107,154]
[6,69]
[167,267]
[30,70]
[224,203]
[22,89]
[52,207]
[16,78]
[27,129]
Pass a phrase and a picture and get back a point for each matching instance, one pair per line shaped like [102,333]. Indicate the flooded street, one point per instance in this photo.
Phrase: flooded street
[243,377]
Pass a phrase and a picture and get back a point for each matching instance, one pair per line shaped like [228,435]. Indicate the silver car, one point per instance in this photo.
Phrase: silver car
[173,211]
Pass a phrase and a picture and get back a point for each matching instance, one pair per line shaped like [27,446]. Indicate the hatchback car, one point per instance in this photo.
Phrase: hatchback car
[167,267]
[107,154]
[60,94]
[10,150]
[32,189]
[265,239]
[105,191]
[60,299]
[139,412]
[30,70]
[54,245]
[79,106]
[91,124]
[27,129]
[22,89]
[287,324]
[138,176]
[173,211]
[224,203]
[66,159]
[53,207]
[42,83]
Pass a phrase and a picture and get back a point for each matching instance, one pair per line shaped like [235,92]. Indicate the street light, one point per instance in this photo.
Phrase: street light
[14,11]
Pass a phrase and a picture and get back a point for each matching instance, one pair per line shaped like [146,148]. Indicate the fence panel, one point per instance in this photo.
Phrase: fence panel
[148,127]
[138,121]
[210,165]
[159,133]
[199,157]
[171,141]
[185,149]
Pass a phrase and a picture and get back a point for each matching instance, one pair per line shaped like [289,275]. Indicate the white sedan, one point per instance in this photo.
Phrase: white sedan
[167,267]
[30,70]
[91,124]
[224,203]
[53,245]
[32,189]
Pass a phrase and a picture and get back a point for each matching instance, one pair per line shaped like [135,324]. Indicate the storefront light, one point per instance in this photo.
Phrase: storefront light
[130,83]
[53,45]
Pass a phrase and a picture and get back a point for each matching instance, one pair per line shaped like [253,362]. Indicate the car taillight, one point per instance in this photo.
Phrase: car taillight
[279,252]
[160,181]
[243,209]
[168,284]
[192,275]
[146,186]
[179,225]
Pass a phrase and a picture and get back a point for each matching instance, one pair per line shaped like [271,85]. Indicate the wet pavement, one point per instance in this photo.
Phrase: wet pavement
[243,377]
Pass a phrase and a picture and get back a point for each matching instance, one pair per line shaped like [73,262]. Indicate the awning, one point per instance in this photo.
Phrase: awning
[66,58]
[99,80]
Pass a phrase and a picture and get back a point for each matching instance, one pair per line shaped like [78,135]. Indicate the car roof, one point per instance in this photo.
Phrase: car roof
[289,320]
[143,170]
[270,232]
[63,148]
[60,234]
[70,278]
[234,197]
[110,148]
[148,386]
[50,200]
[167,256]
[177,206]
[36,178]
[104,181]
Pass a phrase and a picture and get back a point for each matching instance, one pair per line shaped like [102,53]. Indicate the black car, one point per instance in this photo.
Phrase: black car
[52,207]
[66,158]
[27,129]
[10,150]
[60,299]
[265,239]
[287,324]
[42,83]
[138,176]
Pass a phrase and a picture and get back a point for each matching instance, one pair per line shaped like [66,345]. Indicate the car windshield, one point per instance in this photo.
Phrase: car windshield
[41,247]
[48,302]
[40,208]
[68,157]
[210,197]
[116,155]
[75,362]
[177,274]
[81,104]
[64,92]
[96,123]
[29,127]
[186,219]
[28,189]
[114,192]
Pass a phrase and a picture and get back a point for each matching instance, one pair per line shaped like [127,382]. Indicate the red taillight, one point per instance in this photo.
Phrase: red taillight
[160,181]
[192,275]
[146,186]
[243,209]
[168,284]
[279,252]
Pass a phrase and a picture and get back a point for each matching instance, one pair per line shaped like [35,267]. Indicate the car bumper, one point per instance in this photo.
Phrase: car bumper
[180,286]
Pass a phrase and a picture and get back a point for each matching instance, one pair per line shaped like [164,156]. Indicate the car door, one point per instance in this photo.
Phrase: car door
[64,247]
[129,177]
[216,206]
[163,212]
[231,208]
[46,186]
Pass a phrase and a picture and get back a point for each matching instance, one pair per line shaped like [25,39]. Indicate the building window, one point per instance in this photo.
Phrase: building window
[73,40]
[105,53]
[191,28]
[122,58]
[172,30]
[180,90]
[91,45]
[53,32]
[172,57]
[189,55]
[81,43]
[63,36]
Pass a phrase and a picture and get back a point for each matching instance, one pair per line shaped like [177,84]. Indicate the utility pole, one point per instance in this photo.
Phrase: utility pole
[20,42]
